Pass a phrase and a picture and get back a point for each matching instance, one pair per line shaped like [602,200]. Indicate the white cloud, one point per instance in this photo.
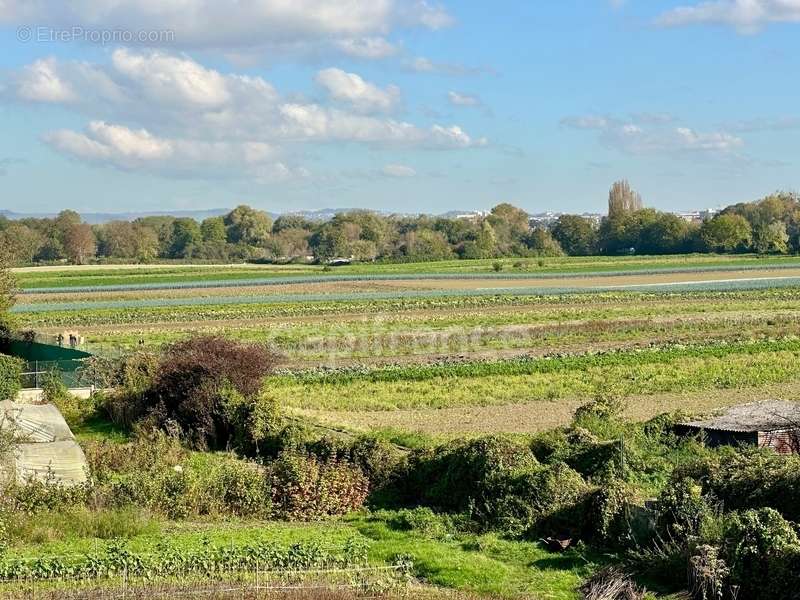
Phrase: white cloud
[314,122]
[654,136]
[747,16]
[234,24]
[455,137]
[354,90]
[138,149]
[41,82]
[399,171]
[422,64]
[172,80]
[459,99]
[367,47]
[169,114]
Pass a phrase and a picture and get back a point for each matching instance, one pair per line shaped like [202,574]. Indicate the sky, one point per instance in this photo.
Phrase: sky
[395,105]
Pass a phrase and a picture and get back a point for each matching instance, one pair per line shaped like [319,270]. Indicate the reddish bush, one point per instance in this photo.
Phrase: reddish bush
[193,382]
[305,488]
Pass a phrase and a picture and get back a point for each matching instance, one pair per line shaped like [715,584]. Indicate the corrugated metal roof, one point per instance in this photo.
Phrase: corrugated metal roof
[769,415]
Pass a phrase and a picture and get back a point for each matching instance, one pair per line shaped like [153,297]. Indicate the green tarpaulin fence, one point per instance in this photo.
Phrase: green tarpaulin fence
[44,358]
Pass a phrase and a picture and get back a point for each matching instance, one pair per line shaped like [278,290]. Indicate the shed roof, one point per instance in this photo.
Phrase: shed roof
[769,415]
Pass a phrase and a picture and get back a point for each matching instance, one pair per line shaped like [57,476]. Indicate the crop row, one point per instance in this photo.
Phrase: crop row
[331,341]
[209,560]
[703,286]
[543,365]
[113,275]
[606,304]
[256,279]
[671,369]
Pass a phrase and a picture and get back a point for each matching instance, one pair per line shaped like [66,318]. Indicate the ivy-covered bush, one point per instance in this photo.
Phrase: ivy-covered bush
[761,549]
[306,488]
[10,376]
[464,475]
[750,478]
[682,511]
[378,459]
[500,485]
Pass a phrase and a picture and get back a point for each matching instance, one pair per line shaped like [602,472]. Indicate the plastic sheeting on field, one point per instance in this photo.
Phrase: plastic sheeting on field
[45,449]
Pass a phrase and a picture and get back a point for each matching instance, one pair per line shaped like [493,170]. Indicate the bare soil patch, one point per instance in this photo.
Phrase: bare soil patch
[540,415]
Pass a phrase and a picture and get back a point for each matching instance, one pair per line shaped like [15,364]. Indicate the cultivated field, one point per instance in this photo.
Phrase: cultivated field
[460,346]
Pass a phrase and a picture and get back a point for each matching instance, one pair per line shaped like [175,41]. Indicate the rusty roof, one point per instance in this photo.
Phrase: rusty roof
[769,415]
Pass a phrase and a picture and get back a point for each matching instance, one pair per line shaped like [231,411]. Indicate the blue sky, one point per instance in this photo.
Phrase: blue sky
[398,105]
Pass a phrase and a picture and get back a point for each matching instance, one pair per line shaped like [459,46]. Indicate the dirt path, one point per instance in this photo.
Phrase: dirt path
[540,415]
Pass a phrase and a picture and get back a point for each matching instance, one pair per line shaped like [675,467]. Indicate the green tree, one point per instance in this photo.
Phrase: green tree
[213,230]
[285,222]
[540,242]
[622,233]
[511,225]
[20,243]
[426,245]
[248,226]
[329,242]
[666,234]
[186,236]
[727,232]
[576,235]
[486,241]
[7,293]
[771,238]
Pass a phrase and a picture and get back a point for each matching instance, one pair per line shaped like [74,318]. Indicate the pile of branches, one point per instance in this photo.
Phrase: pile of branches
[611,584]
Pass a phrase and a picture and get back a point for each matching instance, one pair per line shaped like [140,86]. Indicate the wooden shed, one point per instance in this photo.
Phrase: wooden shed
[769,424]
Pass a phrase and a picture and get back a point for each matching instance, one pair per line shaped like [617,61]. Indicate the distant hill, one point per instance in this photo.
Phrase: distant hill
[322,214]
[97,218]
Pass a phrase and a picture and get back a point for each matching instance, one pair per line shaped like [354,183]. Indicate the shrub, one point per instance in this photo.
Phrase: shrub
[682,511]
[425,522]
[749,478]
[608,517]
[467,475]
[581,450]
[305,488]
[128,377]
[758,546]
[378,459]
[155,472]
[74,410]
[10,375]
[208,387]
[557,501]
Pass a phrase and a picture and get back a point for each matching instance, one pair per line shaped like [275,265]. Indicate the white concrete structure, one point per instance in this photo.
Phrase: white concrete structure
[45,449]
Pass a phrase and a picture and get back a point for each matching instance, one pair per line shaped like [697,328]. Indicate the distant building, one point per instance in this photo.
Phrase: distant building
[698,216]
[770,424]
[474,215]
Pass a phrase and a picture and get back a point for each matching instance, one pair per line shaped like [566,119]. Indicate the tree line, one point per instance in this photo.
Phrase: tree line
[770,225]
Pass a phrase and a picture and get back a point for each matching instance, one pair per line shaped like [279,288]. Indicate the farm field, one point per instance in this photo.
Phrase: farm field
[416,355]
[534,337]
